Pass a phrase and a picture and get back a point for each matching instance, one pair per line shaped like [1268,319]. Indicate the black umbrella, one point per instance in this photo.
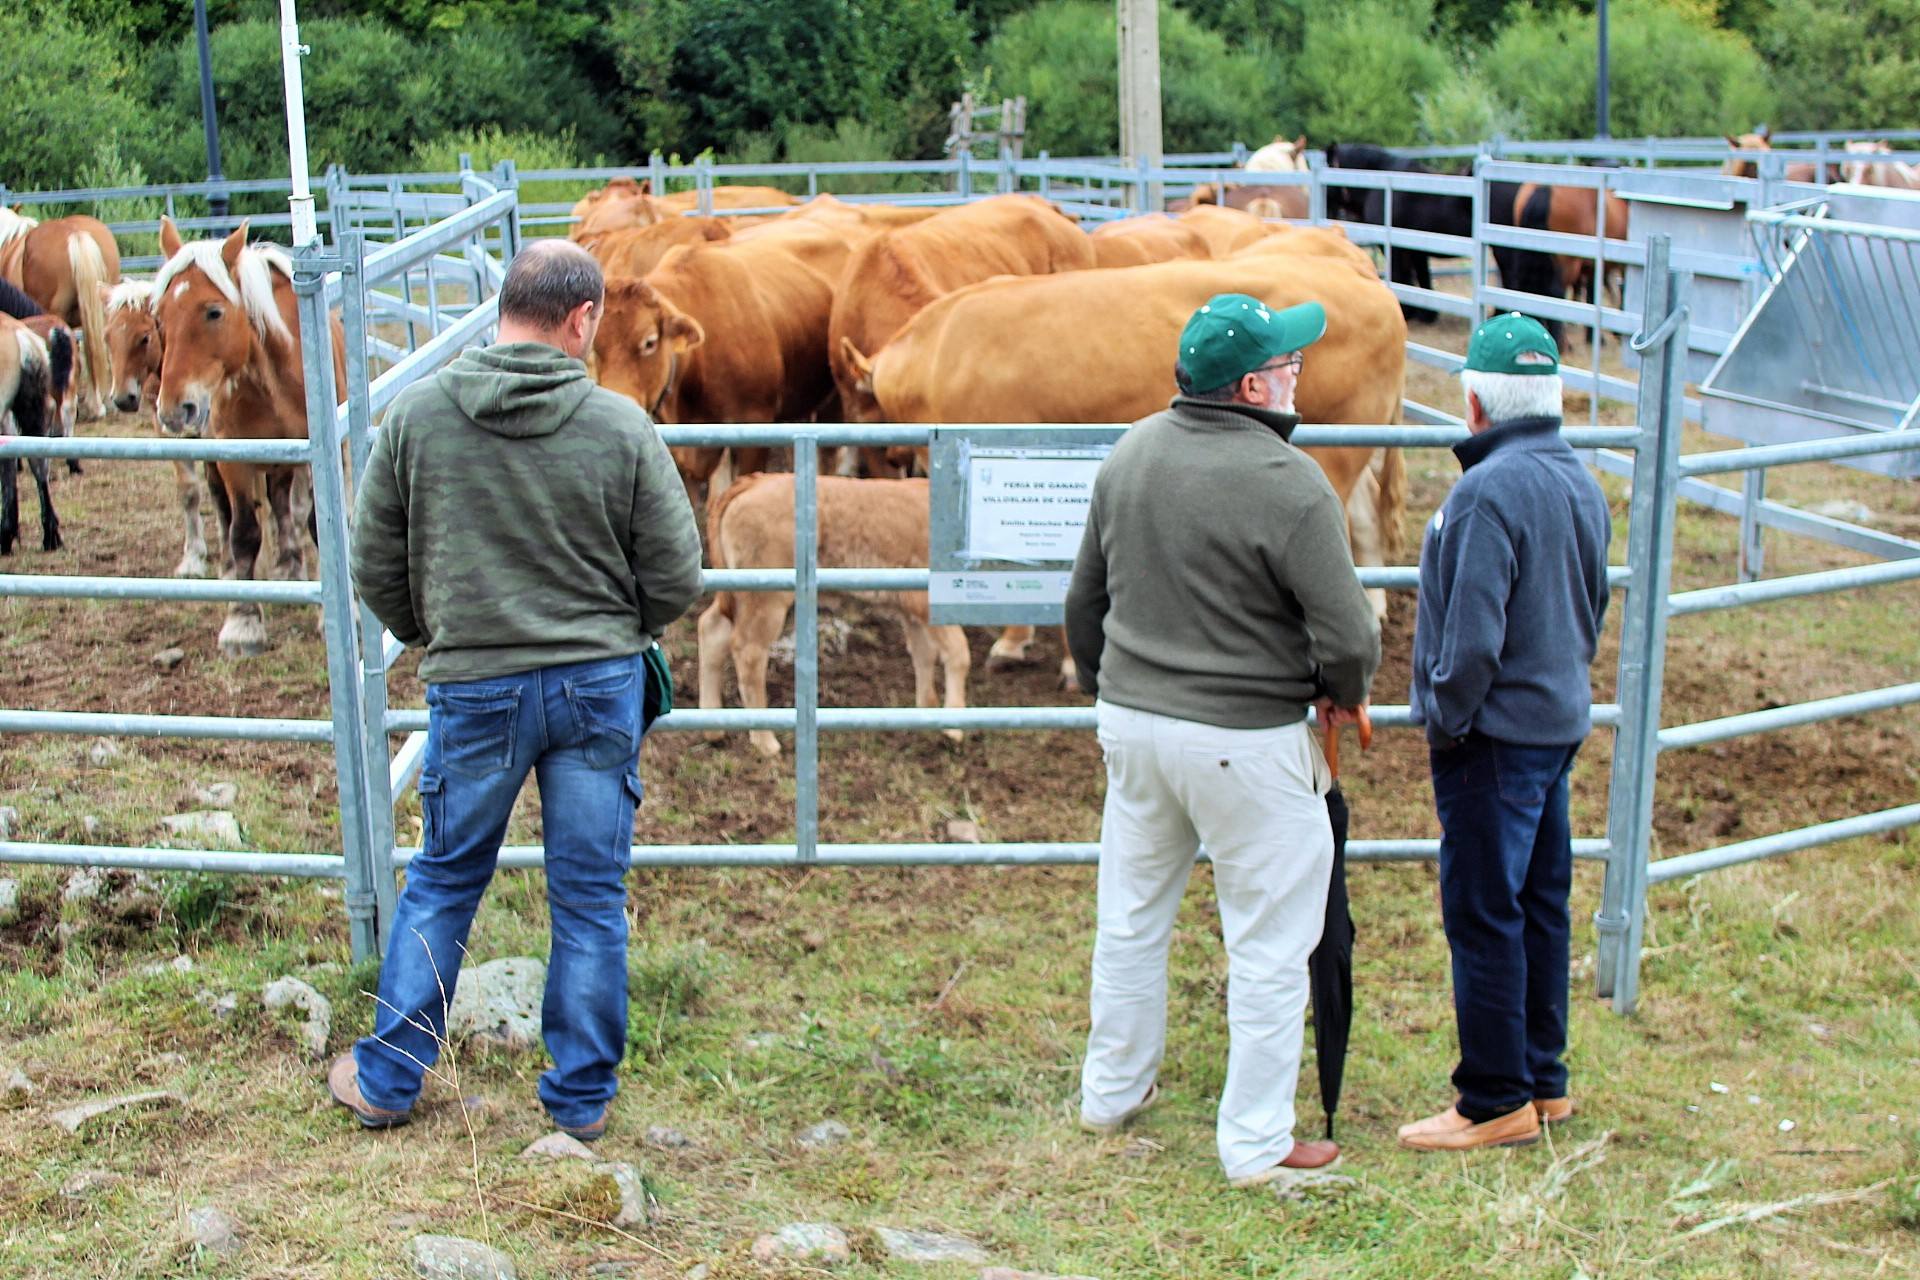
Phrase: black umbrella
[1330,968]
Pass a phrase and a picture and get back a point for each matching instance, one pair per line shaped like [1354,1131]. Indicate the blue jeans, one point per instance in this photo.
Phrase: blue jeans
[1506,869]
[578,729]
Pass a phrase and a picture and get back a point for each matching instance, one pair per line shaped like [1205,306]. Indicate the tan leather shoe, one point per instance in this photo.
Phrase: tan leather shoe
[1107,1128]
[1306,1157]
[1553,1110]
[343,1082]
[1451,1131]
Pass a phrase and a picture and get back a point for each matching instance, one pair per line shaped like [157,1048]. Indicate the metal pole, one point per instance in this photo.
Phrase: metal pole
[1140,130]
[806,644]
[1753,547]
[300,203]
[216,203]
[1603,121]
[1621,921]
[1482,196]
[341,623]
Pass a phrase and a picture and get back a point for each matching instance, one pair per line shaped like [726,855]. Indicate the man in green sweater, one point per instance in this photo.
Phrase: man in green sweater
[1213,601]
[528,531]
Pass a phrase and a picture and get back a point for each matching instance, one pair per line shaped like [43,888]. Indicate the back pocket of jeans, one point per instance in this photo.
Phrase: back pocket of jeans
[476,729]
[608,710]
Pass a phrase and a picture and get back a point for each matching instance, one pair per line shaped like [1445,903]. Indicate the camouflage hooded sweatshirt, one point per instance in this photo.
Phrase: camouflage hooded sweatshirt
[515,516]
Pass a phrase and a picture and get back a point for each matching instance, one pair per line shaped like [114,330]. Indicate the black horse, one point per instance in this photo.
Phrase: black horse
[1520,269]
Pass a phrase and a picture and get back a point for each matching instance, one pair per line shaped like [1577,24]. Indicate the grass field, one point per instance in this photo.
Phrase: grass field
[940,1013]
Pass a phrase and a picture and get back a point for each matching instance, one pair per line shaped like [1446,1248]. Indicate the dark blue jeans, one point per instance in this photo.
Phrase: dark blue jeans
[577,729]
[1506,869]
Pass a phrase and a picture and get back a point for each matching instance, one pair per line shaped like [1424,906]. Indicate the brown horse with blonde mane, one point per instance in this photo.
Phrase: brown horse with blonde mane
[60,265]
[230,368]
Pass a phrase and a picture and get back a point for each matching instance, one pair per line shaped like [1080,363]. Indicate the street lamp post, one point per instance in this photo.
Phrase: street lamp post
[217,204]
[1603,130]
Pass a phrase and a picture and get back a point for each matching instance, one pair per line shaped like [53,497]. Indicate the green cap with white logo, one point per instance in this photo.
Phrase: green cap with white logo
[1512,343]
[1235,333]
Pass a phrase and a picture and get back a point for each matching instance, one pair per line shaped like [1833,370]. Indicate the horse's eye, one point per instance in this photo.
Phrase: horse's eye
[142,342]
[214,313]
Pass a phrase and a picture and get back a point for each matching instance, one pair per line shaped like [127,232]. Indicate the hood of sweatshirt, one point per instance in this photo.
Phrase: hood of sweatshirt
[517,389]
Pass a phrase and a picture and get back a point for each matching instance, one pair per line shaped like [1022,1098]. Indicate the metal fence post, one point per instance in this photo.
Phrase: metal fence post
[1753,546]
[338,613]
[966,174]
[1479,269]
[508,176]
[657,174]
[1317,188]
[806,644]
[1046,179]
[1621,921]
[373,664]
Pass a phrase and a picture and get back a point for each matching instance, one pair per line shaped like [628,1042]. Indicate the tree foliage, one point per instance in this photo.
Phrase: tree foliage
[1845,63]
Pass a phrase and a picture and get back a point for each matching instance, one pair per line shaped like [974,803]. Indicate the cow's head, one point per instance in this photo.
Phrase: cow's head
[642,348]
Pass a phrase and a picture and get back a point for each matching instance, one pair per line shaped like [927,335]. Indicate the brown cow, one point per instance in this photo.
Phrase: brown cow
[623,202]
[1152,237]
[1226,230]
[1324,242]
[869,524]
[634,251]
[895,274]
[1099,346]
[728,332]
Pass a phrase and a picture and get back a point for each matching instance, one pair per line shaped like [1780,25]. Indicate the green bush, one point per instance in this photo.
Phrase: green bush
[1464,108]
[852,140]
[488,145]
[1672,72]
[1845,65]
[1061,55]
[371,92]
[65,90]
[110,167]
[1364,69]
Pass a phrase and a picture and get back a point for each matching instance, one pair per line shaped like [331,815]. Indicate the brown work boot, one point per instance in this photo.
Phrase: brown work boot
[1306,1162]
[1553,1110]
[591,1130]
[1451,1131]
[343,1082]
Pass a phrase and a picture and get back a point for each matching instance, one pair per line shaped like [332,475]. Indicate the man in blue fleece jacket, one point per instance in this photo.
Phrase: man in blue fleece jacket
[1513,588]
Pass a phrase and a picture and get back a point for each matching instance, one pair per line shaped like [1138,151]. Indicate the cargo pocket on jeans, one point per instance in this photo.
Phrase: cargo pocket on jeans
[608,712]
[433,791]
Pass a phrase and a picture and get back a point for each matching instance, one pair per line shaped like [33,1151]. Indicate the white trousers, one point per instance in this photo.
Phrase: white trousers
[1254,798]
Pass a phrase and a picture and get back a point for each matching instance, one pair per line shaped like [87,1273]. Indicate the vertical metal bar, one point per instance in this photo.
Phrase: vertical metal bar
[806,644]
[966,174]
[1620,923]
[343,657]
[510,232]
[433,298]
[1752,544]
[1482,199]
[1046,179]
[1317,189]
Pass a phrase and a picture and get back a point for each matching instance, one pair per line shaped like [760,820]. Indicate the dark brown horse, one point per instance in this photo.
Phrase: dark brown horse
[1571,210]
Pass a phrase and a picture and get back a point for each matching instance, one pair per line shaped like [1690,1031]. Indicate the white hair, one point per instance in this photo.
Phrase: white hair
[253,293]
[129,295]
[13,225]
[1505,396]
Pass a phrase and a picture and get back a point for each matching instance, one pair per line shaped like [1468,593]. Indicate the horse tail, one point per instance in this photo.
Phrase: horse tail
[1390,506]
[1537,209]
[89,274]
[30,394]
[60,362]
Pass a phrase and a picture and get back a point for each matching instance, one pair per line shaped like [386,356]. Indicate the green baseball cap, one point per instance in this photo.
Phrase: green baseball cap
[1512,343]
[1233,334]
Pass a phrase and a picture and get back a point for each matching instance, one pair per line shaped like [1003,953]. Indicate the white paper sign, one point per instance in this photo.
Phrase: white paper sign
[1028,505]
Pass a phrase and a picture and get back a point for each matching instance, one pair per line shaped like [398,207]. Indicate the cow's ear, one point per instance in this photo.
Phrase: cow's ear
[646,186]
[717,229]
[684,329]
[1732,141]
[170,241]
[860,363]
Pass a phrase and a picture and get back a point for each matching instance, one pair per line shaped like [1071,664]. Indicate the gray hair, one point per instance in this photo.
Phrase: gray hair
[547,280]
[1505,396]
[1218,395]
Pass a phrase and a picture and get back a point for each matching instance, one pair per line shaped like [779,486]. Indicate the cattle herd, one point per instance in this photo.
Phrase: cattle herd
[1000,310]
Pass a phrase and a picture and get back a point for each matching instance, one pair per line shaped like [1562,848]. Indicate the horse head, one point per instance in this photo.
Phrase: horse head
[642,343]
[1739,167]
[133,339]
[215,307]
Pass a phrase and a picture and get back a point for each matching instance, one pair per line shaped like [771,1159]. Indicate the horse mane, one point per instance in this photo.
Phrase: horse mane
[130,295]
[15,302]
[253,293]
[14,225]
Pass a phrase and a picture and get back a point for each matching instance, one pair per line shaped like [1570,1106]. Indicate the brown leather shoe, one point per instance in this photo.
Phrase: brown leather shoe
[343,1082]
[1554,1110]
[1308,1158]
[1451,1131]
[590,1131]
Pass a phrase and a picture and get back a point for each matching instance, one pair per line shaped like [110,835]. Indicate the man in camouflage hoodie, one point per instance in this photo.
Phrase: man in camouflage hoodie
[528,531]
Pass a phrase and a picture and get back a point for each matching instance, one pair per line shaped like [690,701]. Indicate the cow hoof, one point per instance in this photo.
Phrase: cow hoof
[243,637]
[766,744]
[954,736]
[999,659]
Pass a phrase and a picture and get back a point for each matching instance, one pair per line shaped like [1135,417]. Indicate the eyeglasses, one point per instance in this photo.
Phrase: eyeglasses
[1294,362]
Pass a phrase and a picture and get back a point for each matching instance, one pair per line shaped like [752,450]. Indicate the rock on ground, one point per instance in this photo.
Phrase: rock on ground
[85,885]
[1008,1273]
[216,795]
[213,1231]
[633,1194]
[820,1242]
[19,1089]
[500,1000]
[828,1133]
[559,1146]
[667,1139]
[318,1025]
[216,825]
[88,1181]
[73,1118]
[103,752]
[168,659]
[9,897]
[454,1258]
[928,1246]
[9,819]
